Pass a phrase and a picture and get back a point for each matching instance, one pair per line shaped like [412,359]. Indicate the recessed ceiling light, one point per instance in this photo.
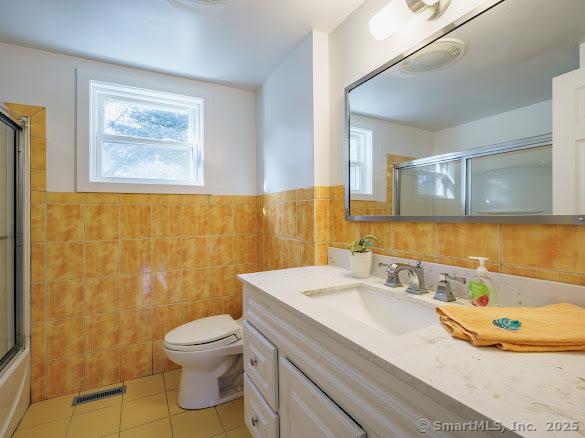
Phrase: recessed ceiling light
[193,4]
[207,2]
[204,2]
[200,6]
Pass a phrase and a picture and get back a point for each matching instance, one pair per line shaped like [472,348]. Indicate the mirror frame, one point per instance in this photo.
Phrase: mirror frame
[526,219]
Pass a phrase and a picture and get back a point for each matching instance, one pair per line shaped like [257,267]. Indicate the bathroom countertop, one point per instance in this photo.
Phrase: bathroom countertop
[506,387]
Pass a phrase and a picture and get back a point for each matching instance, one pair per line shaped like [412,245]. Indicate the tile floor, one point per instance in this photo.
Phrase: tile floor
[148,409]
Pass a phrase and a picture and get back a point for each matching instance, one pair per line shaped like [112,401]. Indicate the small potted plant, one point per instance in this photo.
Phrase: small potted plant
[360,259]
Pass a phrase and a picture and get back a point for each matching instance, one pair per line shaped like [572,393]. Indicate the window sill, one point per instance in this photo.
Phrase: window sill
[114,187]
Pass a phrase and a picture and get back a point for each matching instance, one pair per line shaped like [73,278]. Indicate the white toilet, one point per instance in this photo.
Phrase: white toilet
[209,350]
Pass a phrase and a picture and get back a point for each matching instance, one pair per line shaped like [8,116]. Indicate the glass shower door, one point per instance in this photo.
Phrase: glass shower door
[431,189]
[8,341]
[512,183]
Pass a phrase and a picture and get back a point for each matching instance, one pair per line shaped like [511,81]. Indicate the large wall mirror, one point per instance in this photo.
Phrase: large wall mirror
[485,123]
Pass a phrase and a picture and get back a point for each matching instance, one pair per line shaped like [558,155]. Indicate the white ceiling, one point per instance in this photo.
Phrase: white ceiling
[239,42]
[513,52]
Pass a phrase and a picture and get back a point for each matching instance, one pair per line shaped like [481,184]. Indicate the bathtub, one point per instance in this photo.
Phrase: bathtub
[14,392]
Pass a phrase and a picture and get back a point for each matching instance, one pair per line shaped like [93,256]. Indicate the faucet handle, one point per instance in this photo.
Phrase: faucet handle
[443,276]
[444,292]
[419,264]
[391,270]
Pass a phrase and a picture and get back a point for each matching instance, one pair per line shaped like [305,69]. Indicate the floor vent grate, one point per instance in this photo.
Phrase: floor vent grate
[87,398]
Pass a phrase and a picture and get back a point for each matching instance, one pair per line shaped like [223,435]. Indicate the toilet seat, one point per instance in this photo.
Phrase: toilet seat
[204,334]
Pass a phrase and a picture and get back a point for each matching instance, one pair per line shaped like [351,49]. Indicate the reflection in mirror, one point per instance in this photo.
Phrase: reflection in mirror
[489,120]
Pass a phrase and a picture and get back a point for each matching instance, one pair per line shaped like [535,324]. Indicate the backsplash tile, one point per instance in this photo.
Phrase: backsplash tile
[547,252]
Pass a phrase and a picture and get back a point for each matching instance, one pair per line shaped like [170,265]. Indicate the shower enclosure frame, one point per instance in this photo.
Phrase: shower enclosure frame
[19,200]
[465,157]
[15,389]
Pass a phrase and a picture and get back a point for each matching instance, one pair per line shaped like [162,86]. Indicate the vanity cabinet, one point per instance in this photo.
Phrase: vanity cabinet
[307,412]
[304,410]
[303,381]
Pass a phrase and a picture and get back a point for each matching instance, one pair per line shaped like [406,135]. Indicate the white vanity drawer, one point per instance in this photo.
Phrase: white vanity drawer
[261,420]
[260,364]
[307,411]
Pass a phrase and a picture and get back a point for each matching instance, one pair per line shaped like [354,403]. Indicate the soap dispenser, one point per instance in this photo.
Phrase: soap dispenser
[481,288]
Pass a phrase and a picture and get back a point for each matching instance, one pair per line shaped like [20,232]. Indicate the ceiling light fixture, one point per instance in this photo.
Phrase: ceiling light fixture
[398,13]
[431,9]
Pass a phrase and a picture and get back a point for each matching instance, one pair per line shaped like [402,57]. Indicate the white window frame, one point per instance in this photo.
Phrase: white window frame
[364,162]
[92,90]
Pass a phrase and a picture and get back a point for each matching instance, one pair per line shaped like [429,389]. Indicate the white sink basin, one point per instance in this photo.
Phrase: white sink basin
[393,312]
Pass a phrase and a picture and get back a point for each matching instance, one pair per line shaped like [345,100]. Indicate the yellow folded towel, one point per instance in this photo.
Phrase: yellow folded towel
[557,327]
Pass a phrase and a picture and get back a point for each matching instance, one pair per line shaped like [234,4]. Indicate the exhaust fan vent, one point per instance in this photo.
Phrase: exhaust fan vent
[437,56]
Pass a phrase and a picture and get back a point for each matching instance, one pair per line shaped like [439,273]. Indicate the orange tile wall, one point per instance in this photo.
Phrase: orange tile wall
[295,228]
[549,252]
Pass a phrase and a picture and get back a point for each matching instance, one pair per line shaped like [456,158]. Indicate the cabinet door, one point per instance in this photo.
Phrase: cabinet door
[306,411]
[261,420]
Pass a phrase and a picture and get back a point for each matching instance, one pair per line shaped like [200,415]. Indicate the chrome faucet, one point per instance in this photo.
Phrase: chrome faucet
[416,276]
[444,292]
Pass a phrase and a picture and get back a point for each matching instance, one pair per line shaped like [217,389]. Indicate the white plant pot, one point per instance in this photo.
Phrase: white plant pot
[360,264]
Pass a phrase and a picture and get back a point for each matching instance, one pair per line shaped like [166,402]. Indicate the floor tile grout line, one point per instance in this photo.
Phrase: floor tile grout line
[121,409]
[219,417]
[140,425]
[168,407]
[54,420]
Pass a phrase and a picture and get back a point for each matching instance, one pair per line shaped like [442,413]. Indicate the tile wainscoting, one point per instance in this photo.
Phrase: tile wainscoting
[295,228]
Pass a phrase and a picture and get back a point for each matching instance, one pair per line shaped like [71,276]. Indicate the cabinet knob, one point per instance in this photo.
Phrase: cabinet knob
[254,421]
[253,361]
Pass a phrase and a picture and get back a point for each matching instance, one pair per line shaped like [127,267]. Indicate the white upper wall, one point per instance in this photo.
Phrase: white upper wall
[321,109]
[524,122]
[285,123]
[354,53]
[46,79]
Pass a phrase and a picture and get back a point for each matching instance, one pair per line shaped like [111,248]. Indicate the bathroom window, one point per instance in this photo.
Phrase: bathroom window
[143,137]
[360,160]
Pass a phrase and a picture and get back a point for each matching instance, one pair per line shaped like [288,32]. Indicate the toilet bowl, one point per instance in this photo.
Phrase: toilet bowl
[209,351]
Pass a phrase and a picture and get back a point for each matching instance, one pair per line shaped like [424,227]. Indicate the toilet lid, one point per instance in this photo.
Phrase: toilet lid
[204,331]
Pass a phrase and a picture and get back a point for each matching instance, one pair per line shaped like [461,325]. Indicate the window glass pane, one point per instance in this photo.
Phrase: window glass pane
[353,149]
[134,120]
[354,178]
[130,160]
[517,182]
